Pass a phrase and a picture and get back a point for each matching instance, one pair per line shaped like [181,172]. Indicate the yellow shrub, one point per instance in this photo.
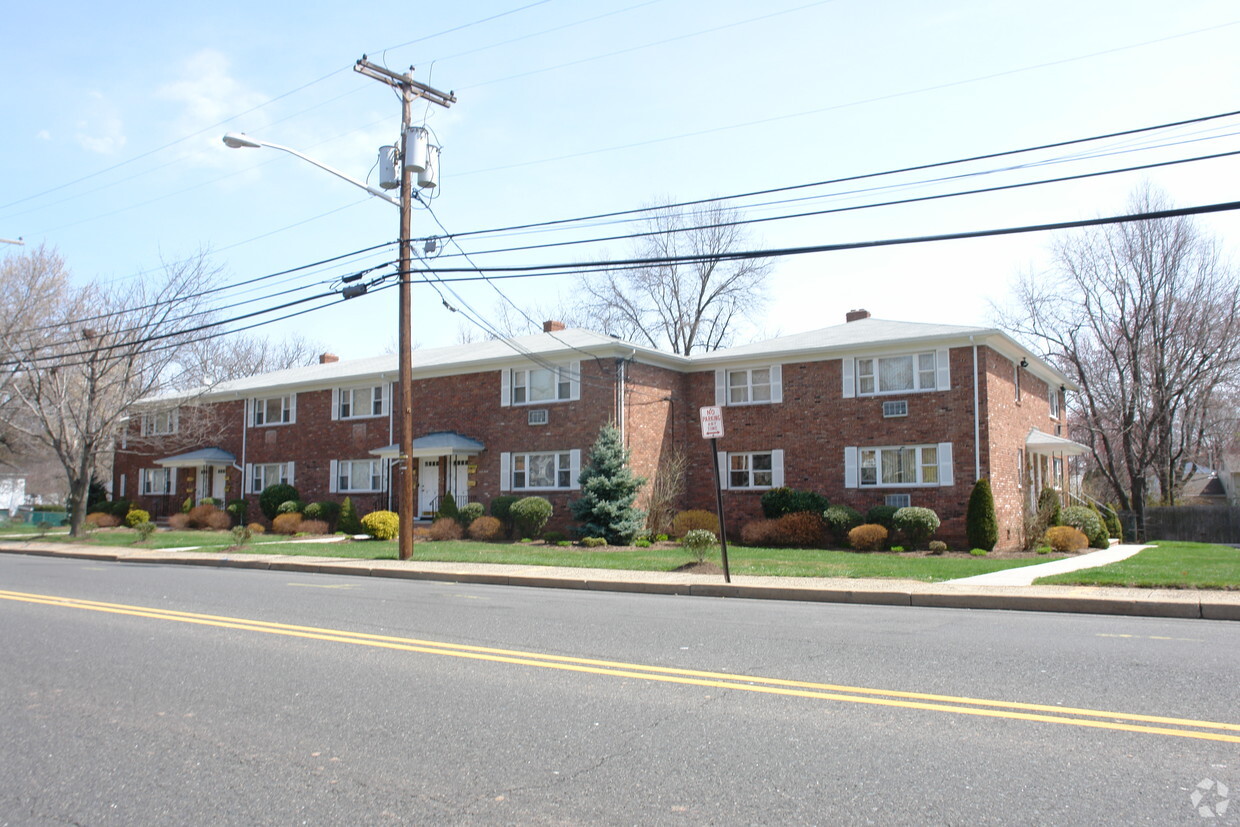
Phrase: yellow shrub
[1066,538]
[868,537]
[686,521]
[382,525]
[286,524]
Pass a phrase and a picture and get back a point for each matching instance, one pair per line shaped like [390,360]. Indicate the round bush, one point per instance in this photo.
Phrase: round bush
[486,529]
[286,524]
[312,527]
[1087,521]
[219,520]
[760,533]
[145,530]
[780,501]
[699,541]
[1065,538]
[257,528]
[868,537]
[239,509]
[801,529]
[686,521]
[136,517]
[269,501]
[444,528]
[937,547]
[469,512]
[917,524]
[531,515]
[291,507]
[101,520]
[382,525]
[840,520]
[883,515]
[593,542]
[178,522]
[327,511]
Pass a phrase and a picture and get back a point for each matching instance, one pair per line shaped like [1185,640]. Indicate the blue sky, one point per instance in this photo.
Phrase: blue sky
[112,150]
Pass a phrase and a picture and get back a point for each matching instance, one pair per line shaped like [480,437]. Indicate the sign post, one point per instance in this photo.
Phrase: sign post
[712,428]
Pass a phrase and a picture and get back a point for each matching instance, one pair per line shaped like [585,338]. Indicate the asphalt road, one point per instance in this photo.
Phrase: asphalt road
[135,694]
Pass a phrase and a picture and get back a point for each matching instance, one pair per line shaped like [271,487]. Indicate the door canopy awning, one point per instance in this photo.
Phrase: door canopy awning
[438,444]
[195,459]
[1040,442]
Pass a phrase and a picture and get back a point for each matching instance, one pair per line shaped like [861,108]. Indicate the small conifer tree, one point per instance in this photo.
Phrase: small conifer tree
[608,489]
[348,521]
[980,522]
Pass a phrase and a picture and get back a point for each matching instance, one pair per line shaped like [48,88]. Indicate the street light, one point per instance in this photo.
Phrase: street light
[404,505]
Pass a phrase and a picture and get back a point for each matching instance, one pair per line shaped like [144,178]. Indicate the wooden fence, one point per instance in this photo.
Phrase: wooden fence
[1192,523]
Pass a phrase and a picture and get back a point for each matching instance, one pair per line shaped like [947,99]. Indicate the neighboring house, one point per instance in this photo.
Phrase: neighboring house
[1229,476]
[867,412]
[12,494]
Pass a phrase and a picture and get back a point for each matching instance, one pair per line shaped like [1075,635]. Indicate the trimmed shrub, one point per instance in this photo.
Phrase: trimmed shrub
[348,522]
[257,528]
[188,504]
[1049,507]
[200,516]
[554,536]
[686,521]
[382,525]
[312,527]
[136,517]
[291,507]
[219,520]
[468,513]
[178,522]
[447,508]
[145,530]
[978,552]
[486,529]
[239,510]
[780,501]
[641,544]
[1114,527]
[593,542]
[840,520]
[868,537]
[760,533]
[327,511]
[981,526]
[801,529]
[530,515]
[117,508]
[501,509]
[883,515]
[1087,521]
[286,524]
[101,520]
[1103,540]
[916,524]
[699,541]
[273,495]
[937,547]
[445,528]
[1066,538]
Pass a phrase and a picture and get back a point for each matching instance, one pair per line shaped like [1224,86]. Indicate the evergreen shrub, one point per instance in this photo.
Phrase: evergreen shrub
[348,522]
[883,515]
[273,495]
[531,515]
[840,520]
[136,517]
[981,526]
[1087,521]
[916,524]
[608,491]
[780,501]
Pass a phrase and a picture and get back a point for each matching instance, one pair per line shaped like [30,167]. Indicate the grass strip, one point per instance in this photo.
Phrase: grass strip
[1168,565]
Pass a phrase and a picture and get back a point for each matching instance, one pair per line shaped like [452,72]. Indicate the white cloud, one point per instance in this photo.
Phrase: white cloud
[102,130]
[43,135]
[206,94]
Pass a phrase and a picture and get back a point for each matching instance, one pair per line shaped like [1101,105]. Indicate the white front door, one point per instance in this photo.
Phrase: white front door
[428,487]
[458,480]
[217,487]
[202,487]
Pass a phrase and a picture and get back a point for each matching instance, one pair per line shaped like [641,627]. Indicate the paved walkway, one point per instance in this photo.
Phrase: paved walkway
[1025,575]
[959,594]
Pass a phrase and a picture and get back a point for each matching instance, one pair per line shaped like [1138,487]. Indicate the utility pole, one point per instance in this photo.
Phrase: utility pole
[409,90]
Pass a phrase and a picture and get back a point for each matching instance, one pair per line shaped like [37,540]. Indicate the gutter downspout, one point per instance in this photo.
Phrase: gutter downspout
[977,425]
[245,417]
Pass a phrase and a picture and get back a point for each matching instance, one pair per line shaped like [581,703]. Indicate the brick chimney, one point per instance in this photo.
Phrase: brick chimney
[328,358]
[855,315]
[552,327]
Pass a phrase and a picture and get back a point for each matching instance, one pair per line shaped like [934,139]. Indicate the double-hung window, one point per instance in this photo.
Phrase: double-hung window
[263,475]
[156,481]
[754,469]
[749,386]
[528,386]
[1053,399]
[897,374]
[356,403]
[898,466]
[353,475]
[161,423]
[539,470]
[277,410]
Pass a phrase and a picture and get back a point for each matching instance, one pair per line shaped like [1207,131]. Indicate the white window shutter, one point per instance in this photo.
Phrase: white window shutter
[388,393]
[142,425]
[722,459]
[850,467]
[122,486]
[777,383]
[942,361]
[172,481]
[176,419]
[247,484]
[505,387]
[721,387]
[335,403]
[777,468]
[850,382]
[574,385]
[945,464]
[292,408]
[574,465]
[333,468]
[505,464]
[291,481]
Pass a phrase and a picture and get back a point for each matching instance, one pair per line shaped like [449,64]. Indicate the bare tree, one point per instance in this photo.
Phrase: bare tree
[1146,318]
[206,362]
[77,376]
[691,306]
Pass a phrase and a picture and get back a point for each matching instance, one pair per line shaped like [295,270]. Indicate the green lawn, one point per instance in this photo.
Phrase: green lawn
[160,539]
[1169,565]
[756,561]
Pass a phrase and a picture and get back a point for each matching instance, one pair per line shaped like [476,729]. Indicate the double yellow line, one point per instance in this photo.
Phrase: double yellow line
[1098,719]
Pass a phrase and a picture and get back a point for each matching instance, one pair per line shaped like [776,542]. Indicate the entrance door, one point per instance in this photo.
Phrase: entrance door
[218,485]
[202,487]
[458,480]
[428,487]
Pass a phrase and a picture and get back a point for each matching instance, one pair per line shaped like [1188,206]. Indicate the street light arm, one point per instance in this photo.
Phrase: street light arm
[237,141]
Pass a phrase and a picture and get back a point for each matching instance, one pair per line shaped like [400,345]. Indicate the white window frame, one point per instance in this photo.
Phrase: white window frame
[260,415]
[342,476]
[895,408]
[515,469]
[1053,400]
[256,476]
[726,382]
[347,397]
[169,420]
[931,465]
[747,467]
[898,500]
[516,384]
[870,369]
[147,478]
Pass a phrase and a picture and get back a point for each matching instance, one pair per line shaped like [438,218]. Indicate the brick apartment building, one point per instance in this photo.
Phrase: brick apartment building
[866,412]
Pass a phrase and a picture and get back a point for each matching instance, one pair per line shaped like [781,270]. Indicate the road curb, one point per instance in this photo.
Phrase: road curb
[1191,606]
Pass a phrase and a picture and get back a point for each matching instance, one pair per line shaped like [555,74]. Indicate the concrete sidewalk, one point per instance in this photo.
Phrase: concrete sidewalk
[959,594]
[1025,575]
